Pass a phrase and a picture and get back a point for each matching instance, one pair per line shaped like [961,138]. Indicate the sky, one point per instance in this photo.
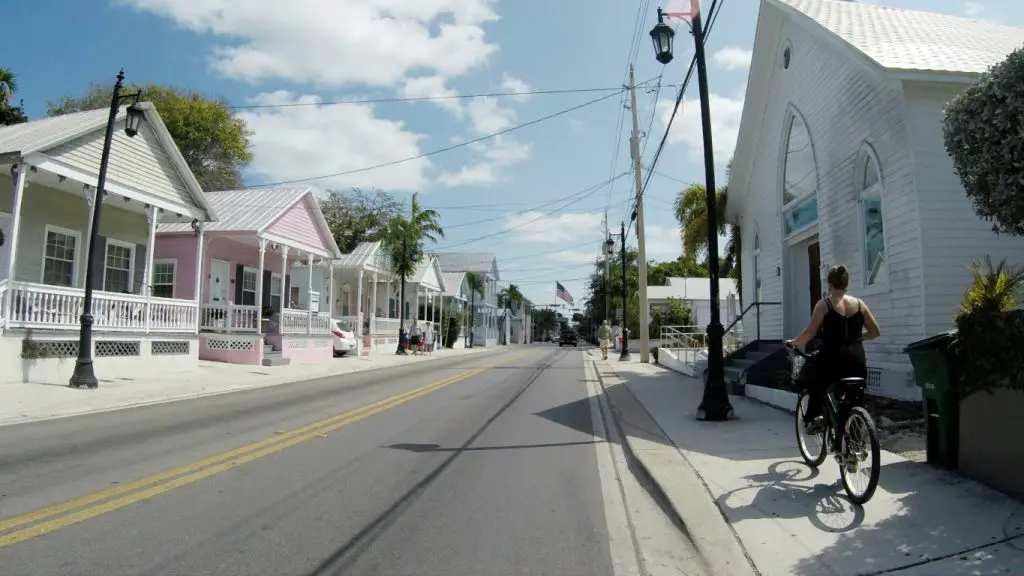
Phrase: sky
[535,196]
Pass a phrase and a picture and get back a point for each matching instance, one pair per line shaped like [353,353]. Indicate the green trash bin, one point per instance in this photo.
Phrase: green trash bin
[935,373]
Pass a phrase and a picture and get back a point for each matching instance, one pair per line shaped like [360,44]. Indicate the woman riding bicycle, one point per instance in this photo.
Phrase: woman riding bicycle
[841,323]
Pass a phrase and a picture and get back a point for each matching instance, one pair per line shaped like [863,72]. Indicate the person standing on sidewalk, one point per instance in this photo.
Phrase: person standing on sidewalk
[428,338]
[844,322]
[414,337]
[604,339]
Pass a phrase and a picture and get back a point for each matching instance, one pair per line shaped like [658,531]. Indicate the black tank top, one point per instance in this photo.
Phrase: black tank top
[838,331]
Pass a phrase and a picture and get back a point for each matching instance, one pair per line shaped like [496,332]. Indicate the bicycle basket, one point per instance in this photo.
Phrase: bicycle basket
[797,363]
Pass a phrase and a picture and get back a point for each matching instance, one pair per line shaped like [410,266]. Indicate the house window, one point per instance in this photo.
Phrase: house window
[249,286]
[60,257]
[163,278]
[293,297]
[757,266]
[119,267]
[800,179]
[872,227]
[276,290]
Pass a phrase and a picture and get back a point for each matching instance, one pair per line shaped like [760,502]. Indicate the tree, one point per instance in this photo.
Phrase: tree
[545,320]
[691,211]
[598,286]
[658,273]
[982,133]
[359,216]
[214,142]
[475,282]
[675,314]
[8,88]
[404,244]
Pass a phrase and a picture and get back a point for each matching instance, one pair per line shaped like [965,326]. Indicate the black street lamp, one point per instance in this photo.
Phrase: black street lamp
[624,354]
[85,375]
[715,404]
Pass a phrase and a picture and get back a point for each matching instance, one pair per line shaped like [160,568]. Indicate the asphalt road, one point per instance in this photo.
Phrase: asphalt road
[490,464]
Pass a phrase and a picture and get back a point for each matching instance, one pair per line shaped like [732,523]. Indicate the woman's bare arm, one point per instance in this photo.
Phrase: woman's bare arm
[871,329]
[812,327]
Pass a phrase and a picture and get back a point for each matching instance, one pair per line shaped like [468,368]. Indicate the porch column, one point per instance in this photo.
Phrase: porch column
[359,308]
[259,285]
[330,288]
[373,311]
[152,215]
[200,271]
[442,329]
[309,293]
[284,289]
[19,195]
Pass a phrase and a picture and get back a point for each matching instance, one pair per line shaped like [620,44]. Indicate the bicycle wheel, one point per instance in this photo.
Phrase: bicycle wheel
[860,440]
[813,447]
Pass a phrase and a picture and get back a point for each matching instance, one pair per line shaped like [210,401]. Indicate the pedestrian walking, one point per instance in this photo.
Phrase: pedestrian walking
[604,339]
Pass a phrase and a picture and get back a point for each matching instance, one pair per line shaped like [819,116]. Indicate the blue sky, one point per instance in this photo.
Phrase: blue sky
[500,195]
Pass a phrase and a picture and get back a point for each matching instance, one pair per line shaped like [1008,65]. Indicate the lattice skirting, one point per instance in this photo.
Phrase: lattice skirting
[41,349]
[232,344]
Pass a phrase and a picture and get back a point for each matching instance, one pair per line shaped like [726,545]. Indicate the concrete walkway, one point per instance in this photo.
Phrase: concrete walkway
[790,520]
[31,402]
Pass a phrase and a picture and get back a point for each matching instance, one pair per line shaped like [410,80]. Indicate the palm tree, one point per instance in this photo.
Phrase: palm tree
[404,243]
[691,209]
[8,86]
[476,286]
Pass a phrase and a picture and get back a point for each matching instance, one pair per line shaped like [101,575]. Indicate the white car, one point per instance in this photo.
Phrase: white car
[344,337]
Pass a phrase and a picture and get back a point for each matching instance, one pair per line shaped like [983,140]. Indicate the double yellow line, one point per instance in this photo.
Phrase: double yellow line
[58,516]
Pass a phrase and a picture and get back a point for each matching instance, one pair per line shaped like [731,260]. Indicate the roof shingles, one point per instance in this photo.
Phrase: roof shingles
[244,210]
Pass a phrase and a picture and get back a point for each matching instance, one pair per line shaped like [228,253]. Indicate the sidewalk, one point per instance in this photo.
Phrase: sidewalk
[31,402]
[790,520]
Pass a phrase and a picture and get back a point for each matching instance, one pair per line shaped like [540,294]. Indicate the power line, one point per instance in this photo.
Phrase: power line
[440,150]
[427,98]
[577,197]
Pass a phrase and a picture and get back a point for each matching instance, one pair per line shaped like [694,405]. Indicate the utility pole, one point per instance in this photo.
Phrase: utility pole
[634,145]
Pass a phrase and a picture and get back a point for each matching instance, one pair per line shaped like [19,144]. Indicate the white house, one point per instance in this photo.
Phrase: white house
[484,265]
[840,159]
[696,295]
[456,296]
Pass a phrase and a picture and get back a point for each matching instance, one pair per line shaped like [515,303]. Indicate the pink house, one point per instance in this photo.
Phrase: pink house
[249,310]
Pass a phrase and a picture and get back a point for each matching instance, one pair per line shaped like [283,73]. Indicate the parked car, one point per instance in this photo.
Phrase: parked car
[344,337]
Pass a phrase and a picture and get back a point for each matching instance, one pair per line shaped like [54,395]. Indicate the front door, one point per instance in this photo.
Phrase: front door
[6,223]
[220,282]
[814,272]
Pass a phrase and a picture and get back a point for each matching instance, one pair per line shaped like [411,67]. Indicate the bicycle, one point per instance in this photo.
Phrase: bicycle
[844,410]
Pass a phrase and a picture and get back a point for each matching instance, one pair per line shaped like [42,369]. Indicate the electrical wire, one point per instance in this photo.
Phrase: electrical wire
[440,150]
[426,98]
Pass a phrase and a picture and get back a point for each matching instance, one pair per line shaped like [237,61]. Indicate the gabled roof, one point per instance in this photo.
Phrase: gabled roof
[426,264]
[910,40]
[468,262]
[366,256]
[47,133]
[453,282]
[893,43]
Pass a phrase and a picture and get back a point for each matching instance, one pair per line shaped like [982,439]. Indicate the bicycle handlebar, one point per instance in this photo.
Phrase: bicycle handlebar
[794,350]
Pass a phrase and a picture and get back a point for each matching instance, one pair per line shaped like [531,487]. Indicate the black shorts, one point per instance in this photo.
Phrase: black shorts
[414,340]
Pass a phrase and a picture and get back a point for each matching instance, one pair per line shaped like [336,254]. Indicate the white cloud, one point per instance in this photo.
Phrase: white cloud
[291,143]
[512,84]
[433,87]
[733,58]
[725,125]
[973,8]
[372,42]
[662,242]
[575,255]
[536,227]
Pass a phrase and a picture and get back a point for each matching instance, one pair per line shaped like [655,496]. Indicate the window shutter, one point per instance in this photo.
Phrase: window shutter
[99,262]
[139,282]
[266,287]
[286,296]
[239,273]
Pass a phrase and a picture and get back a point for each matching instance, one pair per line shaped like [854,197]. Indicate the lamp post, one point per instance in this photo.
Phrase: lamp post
[624,353]
[400,351]
[715,404]
[85,374]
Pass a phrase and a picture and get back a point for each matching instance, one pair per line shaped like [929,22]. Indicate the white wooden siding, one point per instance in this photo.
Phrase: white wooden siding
[953,236]
[138,162]
[43,205]
[844,105]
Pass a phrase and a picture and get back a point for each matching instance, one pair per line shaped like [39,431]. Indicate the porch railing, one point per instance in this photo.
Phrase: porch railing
[386,325]
[3,309]
[229,318]
[54,307]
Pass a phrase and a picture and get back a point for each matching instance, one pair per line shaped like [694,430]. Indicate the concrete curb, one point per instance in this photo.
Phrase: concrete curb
[687,494]
[194,396]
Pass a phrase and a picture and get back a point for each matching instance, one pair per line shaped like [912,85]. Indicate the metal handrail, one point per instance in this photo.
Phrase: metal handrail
[747,309]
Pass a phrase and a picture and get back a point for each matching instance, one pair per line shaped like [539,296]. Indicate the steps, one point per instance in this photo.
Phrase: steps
[756,363]
[272,357]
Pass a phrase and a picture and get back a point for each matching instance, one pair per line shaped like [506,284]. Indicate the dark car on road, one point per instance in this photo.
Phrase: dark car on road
[568,338]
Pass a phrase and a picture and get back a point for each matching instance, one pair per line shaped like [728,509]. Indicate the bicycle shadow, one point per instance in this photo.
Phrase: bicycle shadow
[782,493]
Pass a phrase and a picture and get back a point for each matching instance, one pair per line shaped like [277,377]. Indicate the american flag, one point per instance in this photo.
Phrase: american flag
[562,294]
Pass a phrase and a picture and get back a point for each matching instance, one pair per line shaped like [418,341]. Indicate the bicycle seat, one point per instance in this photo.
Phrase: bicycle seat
[851,383]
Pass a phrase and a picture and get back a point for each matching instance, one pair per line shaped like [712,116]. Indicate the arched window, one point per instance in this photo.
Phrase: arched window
[871,219]
[800,179]
[757,265]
